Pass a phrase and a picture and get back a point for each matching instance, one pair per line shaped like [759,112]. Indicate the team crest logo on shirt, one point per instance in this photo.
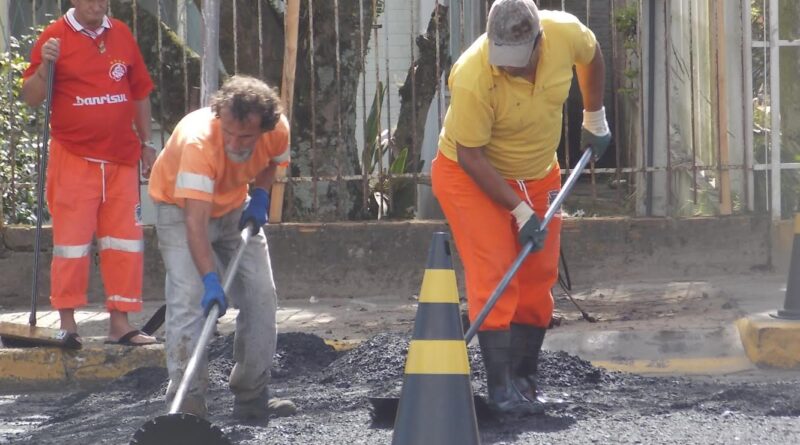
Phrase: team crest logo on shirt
[118,70]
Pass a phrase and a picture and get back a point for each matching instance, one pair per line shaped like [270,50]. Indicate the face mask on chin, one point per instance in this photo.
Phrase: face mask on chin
[239,156]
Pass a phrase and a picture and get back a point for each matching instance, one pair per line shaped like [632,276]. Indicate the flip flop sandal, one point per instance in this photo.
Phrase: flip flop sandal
[125,340]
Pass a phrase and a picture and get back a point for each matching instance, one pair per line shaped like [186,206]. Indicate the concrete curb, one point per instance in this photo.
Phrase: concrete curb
[769,341]
[765,341]
[96,362]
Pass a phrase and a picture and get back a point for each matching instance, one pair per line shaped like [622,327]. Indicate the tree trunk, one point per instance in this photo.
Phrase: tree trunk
[324,122]
[415,100]
[241,55]
[174,94]
[324,114]
[416,95]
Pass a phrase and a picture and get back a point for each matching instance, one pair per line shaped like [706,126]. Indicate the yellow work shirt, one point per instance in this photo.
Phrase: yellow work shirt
[518,122]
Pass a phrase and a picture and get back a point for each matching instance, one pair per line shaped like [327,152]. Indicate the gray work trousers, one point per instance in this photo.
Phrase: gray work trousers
[252,292]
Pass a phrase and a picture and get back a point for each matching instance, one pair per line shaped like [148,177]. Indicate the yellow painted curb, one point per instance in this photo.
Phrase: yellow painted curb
[108,362]
[19,366]
[96,362]
[690,366]
[769,341]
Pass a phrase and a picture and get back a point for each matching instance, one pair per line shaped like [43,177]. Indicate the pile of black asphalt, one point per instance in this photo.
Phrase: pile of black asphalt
[585,404]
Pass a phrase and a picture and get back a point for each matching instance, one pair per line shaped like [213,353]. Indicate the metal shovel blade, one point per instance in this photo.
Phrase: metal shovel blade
[179,429]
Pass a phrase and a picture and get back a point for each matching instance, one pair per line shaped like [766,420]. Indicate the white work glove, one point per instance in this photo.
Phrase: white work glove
[595,132]
[528,226]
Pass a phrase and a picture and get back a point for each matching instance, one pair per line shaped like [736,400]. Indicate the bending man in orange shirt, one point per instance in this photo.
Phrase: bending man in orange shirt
[100,91]
[496,170]
[200,184]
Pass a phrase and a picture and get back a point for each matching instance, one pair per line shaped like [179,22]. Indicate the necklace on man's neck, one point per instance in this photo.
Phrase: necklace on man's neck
[98,40]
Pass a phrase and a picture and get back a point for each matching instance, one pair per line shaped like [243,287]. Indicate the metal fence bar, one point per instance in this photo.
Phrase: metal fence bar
[693,104]
[747,109]
[775,106]
[339,138]
[378,151]
[390,152]
[365,174]
[667,74]
[414,154]
[311,53]
[565,123]
[261,39]
[615,98]
[235,37]
[160,71]
[439,87]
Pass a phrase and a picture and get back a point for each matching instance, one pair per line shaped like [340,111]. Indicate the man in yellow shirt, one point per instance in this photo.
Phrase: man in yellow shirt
[497,171]
[200,186]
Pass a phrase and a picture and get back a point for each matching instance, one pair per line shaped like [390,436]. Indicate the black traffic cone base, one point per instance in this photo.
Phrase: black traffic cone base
[179,429]
[383,410]
[786,314]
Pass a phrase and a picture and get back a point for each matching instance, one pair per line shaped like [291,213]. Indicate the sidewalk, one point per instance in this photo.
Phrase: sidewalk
[649,327]
[342,322]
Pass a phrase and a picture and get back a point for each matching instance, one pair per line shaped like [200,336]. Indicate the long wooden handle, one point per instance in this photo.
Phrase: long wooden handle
[40,191]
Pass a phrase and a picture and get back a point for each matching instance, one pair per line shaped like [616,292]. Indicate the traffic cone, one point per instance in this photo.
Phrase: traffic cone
[791,303]
[436,403]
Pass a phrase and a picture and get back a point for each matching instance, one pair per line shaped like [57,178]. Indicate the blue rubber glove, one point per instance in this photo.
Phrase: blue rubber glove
[256,211]
[214,294]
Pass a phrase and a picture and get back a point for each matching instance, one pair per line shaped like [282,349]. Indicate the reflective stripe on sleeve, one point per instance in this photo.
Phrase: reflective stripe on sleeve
[193,181]
[281,158]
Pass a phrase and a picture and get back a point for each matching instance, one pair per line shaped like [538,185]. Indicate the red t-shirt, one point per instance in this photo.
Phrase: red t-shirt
[96,84]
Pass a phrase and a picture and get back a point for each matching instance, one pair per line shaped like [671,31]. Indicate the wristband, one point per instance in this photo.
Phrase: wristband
[595,122]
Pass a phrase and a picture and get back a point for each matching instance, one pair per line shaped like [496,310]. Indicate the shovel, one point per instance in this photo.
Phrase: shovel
[175,427]
[384,408]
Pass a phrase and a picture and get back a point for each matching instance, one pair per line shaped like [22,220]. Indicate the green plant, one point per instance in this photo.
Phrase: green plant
[373,149]
[626,22]
[20,136]
[383,185]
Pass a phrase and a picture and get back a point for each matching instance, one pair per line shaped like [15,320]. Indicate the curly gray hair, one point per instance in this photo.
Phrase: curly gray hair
[244,96]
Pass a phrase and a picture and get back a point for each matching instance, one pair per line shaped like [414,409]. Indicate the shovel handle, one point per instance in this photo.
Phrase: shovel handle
[40,190]
[208,328]
[526,249]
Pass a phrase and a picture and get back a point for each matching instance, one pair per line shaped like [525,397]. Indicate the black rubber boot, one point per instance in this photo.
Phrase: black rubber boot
[504,399]
[526,342]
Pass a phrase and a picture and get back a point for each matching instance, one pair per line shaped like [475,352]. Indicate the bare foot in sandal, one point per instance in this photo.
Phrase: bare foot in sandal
[121,332]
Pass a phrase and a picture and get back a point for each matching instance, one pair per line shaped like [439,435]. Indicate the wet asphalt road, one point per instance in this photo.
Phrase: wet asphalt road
[585,404]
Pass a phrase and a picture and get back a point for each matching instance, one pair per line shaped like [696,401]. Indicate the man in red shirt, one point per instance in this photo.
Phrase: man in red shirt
[100,91]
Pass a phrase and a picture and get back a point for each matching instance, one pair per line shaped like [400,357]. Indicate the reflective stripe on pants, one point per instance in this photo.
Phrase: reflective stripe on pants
[85,198]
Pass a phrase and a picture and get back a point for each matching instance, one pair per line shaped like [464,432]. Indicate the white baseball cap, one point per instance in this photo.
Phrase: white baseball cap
[512,28]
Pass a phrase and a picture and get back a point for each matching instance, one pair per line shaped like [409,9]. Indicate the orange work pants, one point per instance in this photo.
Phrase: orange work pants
[85,197]
[485,234]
